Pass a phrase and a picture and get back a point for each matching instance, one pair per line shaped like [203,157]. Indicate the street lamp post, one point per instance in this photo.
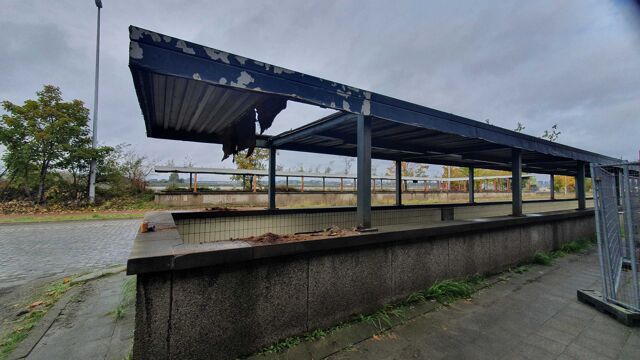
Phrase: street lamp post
[94,131]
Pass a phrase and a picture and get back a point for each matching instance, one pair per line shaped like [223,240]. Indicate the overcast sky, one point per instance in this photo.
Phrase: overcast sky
[574,63]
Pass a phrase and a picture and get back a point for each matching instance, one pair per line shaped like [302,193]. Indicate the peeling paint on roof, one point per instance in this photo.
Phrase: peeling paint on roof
[197,76]
[186,49]
[345,105]
[135,51]
[137,33]
[243,80]
[217,55]
[366,107]
[241,59]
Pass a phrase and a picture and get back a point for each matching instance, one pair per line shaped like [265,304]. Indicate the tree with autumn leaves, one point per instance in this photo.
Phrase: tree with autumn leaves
[47,149]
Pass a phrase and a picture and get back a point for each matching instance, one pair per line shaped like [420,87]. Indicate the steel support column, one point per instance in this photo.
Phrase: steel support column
[552,186]
[272,178]
[516,182]
[580,189]
[472,192]
[363,213]
[398,182]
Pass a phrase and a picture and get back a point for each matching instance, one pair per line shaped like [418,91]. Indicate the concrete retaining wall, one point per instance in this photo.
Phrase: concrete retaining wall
[234,308]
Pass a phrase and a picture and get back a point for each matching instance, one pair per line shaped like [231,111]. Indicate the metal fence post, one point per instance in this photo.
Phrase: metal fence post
[398,182]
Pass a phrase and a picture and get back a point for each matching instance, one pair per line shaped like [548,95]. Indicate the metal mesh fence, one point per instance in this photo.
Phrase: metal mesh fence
[617,203]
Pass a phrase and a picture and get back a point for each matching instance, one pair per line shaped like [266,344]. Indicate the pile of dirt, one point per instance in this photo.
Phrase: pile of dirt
[271,238]
[219,209]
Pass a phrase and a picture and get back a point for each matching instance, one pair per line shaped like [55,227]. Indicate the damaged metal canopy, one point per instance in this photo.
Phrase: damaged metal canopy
[188,105]
[196,93]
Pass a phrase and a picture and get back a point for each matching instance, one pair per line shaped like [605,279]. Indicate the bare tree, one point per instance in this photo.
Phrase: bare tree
[348,162]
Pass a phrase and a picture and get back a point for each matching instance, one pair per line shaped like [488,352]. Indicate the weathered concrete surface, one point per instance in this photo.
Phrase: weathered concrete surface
[153,311]
[223,311]
[250,305]
[85,328]
[348,282]
[532,316]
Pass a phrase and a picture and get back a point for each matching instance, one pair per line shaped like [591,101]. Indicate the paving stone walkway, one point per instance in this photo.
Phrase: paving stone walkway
[32,251]
[86,327]
[531,316]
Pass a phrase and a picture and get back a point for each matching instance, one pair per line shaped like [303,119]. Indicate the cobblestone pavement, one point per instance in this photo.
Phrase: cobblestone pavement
[32,251]
[531,316]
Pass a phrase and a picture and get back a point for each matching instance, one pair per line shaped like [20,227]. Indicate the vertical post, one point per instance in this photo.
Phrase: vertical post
[630,235]
[254,181]
[580,193]
[244,182]
[617,175]
[301,183]
[94,129]
[363,213]
[552,186]
[516,182]
[190,180]
[272,178]
[287,183]
[195,183]
[398,182]
[323,184]
[374,186]
[471,185]
[341,184]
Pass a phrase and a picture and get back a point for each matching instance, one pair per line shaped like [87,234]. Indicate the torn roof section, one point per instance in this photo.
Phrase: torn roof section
[195,93]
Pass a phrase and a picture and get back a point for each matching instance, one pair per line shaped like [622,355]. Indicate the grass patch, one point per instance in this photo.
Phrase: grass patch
[448,291]
[128,296]
[71,217]
[520,269]
[542,258]
[574,246]
[35,311]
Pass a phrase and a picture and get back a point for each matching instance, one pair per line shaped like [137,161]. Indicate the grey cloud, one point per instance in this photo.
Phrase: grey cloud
[572,62]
